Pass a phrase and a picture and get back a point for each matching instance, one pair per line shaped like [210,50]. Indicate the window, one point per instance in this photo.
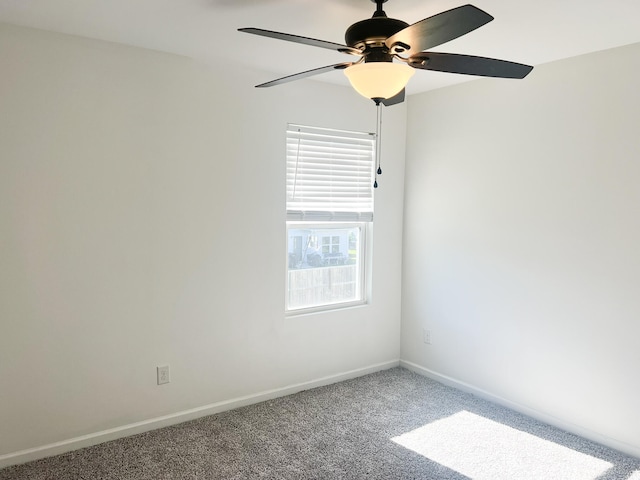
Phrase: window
[329,213]
[331,244]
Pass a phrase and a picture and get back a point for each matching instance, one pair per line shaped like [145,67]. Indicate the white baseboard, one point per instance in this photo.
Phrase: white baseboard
[179,417]
[543,417]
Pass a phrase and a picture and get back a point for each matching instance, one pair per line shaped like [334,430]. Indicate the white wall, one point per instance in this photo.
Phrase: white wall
[521,235]
[142,223]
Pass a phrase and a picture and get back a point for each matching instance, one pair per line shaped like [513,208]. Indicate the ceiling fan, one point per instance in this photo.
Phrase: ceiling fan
[380,40]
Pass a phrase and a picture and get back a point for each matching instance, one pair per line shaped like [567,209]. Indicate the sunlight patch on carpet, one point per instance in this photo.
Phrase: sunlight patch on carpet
[486,450]
[635,475]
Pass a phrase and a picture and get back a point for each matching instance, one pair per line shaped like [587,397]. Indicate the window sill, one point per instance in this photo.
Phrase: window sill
[301,312]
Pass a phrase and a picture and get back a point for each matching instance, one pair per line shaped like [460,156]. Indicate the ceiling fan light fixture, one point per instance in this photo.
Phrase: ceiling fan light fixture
[380,80]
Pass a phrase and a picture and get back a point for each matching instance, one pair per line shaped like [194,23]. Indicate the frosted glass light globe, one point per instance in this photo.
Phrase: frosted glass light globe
[379,79]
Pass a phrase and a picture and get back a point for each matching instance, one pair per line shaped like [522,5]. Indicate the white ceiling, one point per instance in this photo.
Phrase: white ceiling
[206,30]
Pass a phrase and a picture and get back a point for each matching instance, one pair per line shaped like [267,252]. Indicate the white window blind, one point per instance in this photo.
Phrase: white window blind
[329,174]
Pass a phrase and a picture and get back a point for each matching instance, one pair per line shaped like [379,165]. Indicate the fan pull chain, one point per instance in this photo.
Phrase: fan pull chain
[378,142]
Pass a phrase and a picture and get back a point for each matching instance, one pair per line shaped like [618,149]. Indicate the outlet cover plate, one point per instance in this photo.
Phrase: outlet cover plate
[163,374]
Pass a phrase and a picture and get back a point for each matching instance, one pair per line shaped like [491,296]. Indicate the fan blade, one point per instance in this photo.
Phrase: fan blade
[397,98]
[438,29]
[304,40]
[308,73]
[469,65]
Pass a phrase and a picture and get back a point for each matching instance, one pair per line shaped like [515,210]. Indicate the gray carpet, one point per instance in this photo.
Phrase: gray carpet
[390,425]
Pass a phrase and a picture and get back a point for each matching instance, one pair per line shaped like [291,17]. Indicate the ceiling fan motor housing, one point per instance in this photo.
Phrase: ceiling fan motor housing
[369,36]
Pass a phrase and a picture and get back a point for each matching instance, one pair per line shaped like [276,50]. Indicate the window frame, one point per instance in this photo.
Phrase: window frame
[320,202]
[362,266]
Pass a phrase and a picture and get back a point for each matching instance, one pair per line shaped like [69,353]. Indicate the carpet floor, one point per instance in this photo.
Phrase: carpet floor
[390,425]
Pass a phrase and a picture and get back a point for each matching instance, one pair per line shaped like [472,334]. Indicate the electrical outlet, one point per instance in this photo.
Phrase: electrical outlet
[426,336]
[163,374]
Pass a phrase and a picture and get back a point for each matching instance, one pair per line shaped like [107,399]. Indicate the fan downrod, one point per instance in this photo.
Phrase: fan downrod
[371,33]
[379,12]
